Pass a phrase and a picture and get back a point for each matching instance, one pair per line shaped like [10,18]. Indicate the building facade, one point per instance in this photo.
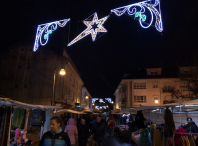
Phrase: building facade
[28,76]
[86,99]
[151,87]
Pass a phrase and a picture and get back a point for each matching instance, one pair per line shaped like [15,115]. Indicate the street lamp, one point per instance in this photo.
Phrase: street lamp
[93,104]
[86,97]
[112,102]
[61,72]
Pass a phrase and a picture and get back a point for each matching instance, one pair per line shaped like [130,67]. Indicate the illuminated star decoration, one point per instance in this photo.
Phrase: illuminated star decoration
[90,29]
[139,9]
[47,29]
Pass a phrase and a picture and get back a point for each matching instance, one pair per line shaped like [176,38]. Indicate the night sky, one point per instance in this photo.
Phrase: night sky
[124,47]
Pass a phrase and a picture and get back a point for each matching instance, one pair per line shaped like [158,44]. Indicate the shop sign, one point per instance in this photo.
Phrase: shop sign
[69,102]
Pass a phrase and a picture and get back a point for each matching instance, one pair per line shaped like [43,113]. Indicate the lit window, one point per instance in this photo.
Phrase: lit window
[140,99]
[140,85]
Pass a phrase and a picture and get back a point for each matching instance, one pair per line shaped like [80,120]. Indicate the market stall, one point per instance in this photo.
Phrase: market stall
[14,115]
[184,116]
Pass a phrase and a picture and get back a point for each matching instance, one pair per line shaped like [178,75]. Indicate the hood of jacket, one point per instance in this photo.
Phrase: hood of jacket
[71,122]
[59,131]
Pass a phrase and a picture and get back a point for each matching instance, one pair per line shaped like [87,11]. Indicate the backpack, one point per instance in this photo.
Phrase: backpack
[112,123]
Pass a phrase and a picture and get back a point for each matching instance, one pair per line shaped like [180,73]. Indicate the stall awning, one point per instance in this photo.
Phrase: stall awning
[9,102]
[69,111]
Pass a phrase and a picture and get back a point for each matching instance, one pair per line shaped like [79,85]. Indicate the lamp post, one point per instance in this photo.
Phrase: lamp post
[61,72]
[86,97]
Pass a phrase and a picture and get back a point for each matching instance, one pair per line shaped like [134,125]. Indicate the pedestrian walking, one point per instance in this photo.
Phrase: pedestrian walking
[83,133]
[72,131]
[55,137]
[98,131]
[112,124]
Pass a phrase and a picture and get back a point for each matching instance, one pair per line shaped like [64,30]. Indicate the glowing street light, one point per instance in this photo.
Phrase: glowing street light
[112,102]
[156,101]
[86,97]
[62,72]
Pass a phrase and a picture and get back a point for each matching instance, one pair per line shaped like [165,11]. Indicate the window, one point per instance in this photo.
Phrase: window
[25,86]
[155,85]
[16,86]
[73,82]
[28,67]
[19,67]
[65,90]
[70,76]
[140,99]
[153,73]
[140,85]
[67,74]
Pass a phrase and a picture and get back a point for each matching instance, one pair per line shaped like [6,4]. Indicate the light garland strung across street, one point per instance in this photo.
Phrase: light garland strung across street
[139,9]
[47,29]
[90,29]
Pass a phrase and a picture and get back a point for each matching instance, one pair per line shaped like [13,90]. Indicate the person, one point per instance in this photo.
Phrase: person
[55,137]
[72,131]
[83,133]
[98,131]
[112,125]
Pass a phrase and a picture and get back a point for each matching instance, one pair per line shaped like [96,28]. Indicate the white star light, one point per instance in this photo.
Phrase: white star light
[90,29]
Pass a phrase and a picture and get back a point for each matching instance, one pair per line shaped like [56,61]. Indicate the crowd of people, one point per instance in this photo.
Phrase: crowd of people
[89,130]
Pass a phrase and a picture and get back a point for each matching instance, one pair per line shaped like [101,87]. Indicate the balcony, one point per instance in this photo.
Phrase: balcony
[167,89]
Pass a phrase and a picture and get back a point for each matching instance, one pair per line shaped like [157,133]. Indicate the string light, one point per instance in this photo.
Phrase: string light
[138,10]
[47,29]
[90,29]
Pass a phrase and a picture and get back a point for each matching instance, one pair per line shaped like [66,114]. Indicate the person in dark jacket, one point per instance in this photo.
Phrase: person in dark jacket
[55,137]
[83,133]
[139,120]
[98,131]
[191,126]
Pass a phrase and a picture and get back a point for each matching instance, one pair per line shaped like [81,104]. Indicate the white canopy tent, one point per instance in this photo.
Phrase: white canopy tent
[14,103]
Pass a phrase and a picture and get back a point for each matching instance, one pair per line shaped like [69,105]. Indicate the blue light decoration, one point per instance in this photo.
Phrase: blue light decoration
[44,30]
[108,99]
[94,100]
[90,29]
[139,11]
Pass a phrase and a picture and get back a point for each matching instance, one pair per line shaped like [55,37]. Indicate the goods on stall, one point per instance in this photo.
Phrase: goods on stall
[158,141]
[144,135]
[37,118]
[169,126]
[18,118]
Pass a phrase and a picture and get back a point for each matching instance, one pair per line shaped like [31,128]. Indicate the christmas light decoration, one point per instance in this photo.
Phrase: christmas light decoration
[47,29]
[90,28]
[125,115]
[101,101]
[139,10]
[108,99]
[94,100]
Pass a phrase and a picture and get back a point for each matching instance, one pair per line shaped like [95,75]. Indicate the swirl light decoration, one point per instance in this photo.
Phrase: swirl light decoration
[90,28]
[139,10]
[44,30]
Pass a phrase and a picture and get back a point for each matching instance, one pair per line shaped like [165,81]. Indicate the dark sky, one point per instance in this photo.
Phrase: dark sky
[125,46]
